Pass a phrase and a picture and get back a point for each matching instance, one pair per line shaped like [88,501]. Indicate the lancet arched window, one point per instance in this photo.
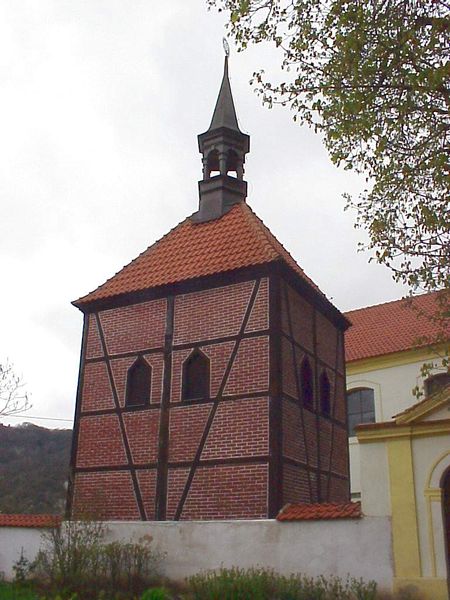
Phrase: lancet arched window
[139,380]
[196,377]
[307,385]
[324,394]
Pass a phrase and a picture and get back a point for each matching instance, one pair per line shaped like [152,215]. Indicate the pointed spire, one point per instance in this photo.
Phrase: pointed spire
[223,148]
[224,112]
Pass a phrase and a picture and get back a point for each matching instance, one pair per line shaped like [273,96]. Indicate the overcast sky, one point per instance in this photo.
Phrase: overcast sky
[100,105]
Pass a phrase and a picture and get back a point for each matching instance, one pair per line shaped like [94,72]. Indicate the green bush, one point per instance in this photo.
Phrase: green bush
[75,559]
[265,584]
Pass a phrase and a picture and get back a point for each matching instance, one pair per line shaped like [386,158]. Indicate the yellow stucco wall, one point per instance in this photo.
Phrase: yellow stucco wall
[417,455]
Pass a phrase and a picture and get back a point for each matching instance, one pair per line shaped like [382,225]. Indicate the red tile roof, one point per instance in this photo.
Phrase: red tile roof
[326,510]
[238,239]
[392,327]
[29,520]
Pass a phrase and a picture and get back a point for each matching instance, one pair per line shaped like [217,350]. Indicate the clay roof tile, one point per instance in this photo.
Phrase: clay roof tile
[29,520]
[326,510]
[238,239]
[393,327]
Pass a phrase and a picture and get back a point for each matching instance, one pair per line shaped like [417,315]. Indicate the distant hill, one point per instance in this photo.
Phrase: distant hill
[34,467]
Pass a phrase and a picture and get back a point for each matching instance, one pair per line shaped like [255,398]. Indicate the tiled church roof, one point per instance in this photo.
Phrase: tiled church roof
[238,239]
[391,327]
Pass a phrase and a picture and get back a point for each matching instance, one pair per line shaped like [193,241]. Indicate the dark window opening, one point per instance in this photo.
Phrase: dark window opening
[213,163]
[139,381]
[436,383]
[196,377]
[360,408]
[307,386]
[445,487]
[324,387]
[232,163]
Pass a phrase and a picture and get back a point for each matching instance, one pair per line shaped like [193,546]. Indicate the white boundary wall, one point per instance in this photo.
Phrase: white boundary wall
[12,541]
[359,547]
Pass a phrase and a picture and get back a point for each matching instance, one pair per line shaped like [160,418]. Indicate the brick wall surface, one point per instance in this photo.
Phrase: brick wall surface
[176,482]
[142,429]
[294,445]
[210,320]
[210,314]
[339,488]
[250,372]
[259,317]
[93,344]
[100,442]
[340,406]
[228,492]
[288,373]
[327,339]
[297,317]
[308,436]
[105,495]
[240,428]
[147,485]
[119,368]
[340,452]
[135,327]
[326,436]
[186,427]
[298,485]
[96,391]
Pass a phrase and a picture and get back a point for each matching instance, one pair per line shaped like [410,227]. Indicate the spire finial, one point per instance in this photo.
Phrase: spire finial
[226,47]
[224,112]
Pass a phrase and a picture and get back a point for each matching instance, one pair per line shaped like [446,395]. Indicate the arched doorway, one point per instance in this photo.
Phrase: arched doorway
[445,486]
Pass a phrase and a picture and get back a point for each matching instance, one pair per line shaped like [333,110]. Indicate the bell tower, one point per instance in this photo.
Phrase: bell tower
[223,148]
[212,378]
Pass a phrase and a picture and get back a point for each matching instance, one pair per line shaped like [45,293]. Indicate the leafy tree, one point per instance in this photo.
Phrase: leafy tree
[13,398]
[372,76]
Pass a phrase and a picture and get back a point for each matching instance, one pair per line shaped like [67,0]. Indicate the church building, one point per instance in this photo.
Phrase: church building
[212,377]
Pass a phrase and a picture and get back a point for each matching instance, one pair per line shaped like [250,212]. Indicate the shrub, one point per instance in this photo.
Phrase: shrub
[21,568]
[264,584]
[75,559]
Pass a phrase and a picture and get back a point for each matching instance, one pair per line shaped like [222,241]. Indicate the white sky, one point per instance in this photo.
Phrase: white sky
[100,105]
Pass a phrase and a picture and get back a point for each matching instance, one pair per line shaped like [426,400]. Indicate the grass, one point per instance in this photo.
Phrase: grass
[10,591]
[223,584]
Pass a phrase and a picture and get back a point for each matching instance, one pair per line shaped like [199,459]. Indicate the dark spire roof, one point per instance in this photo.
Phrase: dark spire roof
[223,148]
[224,112]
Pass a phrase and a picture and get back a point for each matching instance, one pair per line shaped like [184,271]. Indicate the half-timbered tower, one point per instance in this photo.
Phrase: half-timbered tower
[212,368]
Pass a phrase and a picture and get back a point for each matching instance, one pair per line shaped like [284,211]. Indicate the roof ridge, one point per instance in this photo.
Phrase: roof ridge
[260,229]
[281,252]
